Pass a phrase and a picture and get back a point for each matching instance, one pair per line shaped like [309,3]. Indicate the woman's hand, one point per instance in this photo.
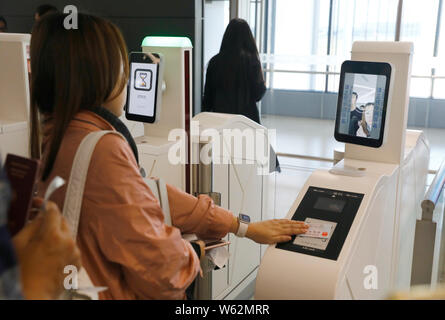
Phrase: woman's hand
[273,231]
[44,247]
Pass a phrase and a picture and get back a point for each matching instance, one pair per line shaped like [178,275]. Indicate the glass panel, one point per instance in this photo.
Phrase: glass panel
[439,85]
[297,81]
[300,30]
[359,20]
[439,89]
[420,87]
[217,15]
[253,16]
[419,26]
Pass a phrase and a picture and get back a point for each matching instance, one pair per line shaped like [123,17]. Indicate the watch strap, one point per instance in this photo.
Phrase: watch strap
[242,229]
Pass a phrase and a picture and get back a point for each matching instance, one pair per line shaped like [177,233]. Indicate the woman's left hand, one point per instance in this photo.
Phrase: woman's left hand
[274,231]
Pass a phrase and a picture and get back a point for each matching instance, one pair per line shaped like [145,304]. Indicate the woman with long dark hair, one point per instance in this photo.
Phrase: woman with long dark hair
[79,79]
[234,80]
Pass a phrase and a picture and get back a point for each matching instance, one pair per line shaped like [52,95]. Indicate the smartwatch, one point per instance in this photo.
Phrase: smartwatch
[244,221]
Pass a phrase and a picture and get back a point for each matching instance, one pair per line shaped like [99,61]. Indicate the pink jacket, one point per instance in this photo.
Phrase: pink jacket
[124,242]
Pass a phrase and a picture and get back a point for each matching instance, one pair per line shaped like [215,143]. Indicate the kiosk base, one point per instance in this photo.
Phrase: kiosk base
[344,170]
[372,218]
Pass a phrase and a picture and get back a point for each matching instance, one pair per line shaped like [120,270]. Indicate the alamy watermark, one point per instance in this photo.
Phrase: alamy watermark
[370,281]
[71,282]
[71,20]
[225,146]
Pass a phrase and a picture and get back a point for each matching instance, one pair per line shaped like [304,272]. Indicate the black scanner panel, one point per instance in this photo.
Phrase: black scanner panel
[333,207]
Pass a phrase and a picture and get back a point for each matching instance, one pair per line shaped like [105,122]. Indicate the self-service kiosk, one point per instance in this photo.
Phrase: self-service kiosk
[362,212]
[169,147]
[155,140]
[232,163]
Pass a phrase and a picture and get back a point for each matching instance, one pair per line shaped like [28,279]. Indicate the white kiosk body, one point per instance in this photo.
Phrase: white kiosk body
[14,94]
[152,139]
[372,212]
[154,148]
[241,179]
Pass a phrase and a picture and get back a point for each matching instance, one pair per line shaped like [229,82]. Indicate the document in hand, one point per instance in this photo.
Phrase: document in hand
[22,175]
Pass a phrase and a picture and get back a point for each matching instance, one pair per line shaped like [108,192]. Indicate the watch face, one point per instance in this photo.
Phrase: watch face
[244,218]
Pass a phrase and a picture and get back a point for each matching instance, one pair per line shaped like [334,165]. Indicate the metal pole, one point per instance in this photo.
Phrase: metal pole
[234,8]
[273,16]
[436,44]
[331,4]
[399,20]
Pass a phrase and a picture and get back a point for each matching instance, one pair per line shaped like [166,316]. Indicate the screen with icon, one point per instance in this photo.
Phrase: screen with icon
[143,79]
[142,95]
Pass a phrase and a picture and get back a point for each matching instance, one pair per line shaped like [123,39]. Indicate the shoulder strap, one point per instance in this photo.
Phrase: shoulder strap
[159,189]
[74,193]
[163,196]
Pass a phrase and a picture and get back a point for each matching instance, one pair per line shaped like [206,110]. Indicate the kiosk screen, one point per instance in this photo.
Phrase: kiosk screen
[362,103]
[144,89]
[329,204]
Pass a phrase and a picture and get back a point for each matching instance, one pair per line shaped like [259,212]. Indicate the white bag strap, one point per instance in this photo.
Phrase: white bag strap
[78,176]
[163,195]
[153,185]
[159,189]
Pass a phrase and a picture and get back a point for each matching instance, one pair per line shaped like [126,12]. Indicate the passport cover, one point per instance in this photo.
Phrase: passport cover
[22,175]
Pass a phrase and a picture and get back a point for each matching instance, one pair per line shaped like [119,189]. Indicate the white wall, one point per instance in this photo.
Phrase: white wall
[216,18]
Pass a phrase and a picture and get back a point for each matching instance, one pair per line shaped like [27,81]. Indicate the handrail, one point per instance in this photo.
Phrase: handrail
[433,193]
[323,159]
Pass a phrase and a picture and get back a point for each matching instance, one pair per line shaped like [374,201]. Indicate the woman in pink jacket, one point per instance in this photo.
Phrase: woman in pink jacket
[79,81]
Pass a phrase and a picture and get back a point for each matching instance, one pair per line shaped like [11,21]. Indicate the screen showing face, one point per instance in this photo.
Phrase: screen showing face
[142,89]
[362,105]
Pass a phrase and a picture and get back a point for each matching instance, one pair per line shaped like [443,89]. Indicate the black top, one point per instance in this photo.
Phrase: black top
[239,96]
[355,117]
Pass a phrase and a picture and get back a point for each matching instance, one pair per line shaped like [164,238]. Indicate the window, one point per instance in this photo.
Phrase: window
[355,20]
[217,17]
[300,31]
[419,26]
[439,62]
[308,40]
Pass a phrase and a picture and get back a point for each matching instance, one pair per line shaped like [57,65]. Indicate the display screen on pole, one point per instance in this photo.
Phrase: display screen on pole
[362,103]
[144,90]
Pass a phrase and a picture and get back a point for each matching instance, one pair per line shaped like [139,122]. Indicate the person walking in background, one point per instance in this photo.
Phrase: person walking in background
[355,116]
[44,9]
[365,124]
[234,80]
[3,25]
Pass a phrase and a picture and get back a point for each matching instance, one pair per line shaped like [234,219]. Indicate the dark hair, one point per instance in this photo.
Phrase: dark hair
[239,55]
[238,38]
[45,8]
[72,70]
[355,93]
[2,19]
